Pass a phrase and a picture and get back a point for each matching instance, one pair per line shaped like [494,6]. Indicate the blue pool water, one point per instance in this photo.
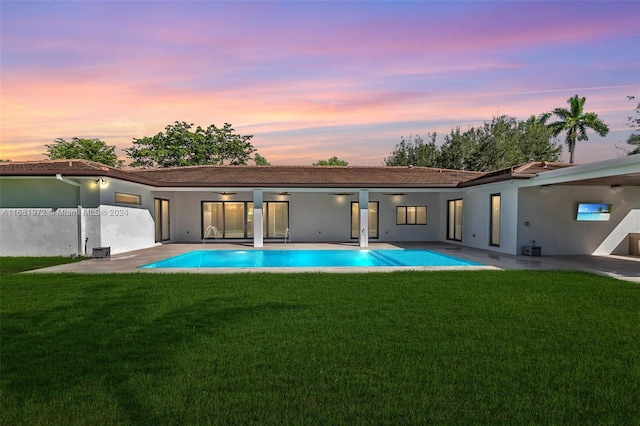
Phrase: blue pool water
[307,258]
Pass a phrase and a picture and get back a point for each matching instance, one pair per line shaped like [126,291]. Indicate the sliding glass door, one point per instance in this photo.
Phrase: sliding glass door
[373,219]
[234,219]
[494,222]
[161,218]
[454,220]
[276,219]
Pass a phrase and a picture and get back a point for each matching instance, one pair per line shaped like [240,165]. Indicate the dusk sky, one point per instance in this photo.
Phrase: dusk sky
[311,80]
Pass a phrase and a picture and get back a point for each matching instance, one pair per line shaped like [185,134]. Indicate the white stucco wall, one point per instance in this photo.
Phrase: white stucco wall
[390,231]
[45,232]
[618,239]
[476,209]
[38,232]
[475,219]
[108,190]
[125,229]
[321,216]
[551,217]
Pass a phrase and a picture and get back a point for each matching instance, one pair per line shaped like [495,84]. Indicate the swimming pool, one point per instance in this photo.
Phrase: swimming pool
[307,259]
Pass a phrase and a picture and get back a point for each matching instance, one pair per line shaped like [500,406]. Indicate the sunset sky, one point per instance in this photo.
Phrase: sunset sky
[310,80]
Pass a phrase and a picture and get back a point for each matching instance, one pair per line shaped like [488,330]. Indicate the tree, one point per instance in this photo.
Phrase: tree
[502,142]
[575,122]
[260,160]
[537,144]
[415,152]
[498,145]
[83,149]
[333,161]
[458,150]
[180,146]
[634,138]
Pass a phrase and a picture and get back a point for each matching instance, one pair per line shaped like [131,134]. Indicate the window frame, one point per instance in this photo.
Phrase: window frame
[247,205]
[266,217]
[160,219]
[494,222]
[453,226]
[126,194]
[406,215]
[377,228]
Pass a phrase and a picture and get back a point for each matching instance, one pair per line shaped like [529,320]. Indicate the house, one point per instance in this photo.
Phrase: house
[63,207]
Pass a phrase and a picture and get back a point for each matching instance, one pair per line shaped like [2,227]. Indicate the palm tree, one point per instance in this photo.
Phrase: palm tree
[541,119]
[575,122]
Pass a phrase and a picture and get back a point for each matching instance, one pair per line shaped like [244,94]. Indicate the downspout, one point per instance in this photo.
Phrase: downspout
[80,215]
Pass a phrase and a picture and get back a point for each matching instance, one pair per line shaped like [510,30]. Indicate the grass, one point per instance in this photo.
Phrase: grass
[489,347]
[13,265]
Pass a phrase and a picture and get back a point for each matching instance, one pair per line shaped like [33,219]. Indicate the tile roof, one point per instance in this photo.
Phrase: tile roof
[534,167]
[278,176]
[67,168]
[249,176]
[520,171]
[47,166]
[306,176]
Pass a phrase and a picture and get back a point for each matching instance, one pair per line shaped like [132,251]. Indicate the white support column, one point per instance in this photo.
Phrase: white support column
[258,238]
[363,203]
[82,231]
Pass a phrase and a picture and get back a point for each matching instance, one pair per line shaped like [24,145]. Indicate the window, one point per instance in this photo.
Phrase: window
[276,219]
[235,219]
[408,215]
[212,215]
[373,220]
[161,216]
[494,222]
[454,220]
[123,198]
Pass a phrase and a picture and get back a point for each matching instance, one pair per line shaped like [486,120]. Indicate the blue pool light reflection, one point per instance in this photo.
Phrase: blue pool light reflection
[308,259]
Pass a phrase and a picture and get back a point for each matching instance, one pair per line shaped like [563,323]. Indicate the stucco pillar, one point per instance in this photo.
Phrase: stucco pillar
[363,203]
[82,232]
[258,238]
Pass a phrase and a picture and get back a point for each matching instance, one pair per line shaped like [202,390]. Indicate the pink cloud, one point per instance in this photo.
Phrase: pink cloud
[348,82]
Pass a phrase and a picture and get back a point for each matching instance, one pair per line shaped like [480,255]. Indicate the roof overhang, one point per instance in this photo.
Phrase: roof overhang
[623,171]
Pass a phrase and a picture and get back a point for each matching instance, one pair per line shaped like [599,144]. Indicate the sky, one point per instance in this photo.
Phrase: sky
[310,80]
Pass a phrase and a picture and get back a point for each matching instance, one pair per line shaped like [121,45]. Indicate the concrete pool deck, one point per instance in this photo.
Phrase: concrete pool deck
[621,267]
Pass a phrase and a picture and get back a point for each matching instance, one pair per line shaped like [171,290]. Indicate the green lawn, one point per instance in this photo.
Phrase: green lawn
[484,347]
[12,265]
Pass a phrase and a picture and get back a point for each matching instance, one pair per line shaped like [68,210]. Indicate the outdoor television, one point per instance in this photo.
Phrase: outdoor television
[593,212]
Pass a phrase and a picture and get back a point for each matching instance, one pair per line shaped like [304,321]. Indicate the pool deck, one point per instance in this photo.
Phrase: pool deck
[621,267]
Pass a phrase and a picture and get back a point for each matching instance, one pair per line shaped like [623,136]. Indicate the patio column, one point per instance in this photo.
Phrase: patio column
[363,203]
[258,239]
[82,231]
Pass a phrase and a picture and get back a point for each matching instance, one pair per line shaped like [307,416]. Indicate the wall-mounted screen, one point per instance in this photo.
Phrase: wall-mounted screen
[594,212]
